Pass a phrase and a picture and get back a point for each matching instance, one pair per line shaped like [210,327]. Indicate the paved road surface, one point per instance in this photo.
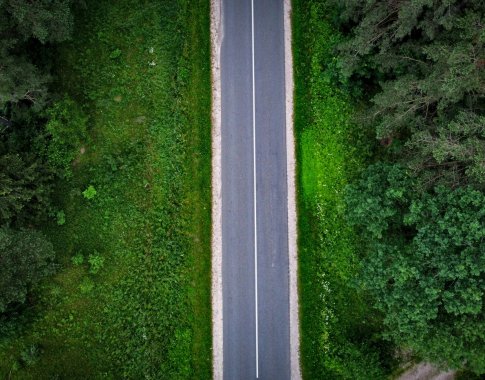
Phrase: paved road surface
[256,329]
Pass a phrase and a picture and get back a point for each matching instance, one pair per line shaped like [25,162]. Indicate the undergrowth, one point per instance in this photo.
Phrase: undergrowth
[132,295]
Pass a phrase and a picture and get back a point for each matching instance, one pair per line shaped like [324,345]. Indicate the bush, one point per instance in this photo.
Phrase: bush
[67,131]
[96,262]
[90,192]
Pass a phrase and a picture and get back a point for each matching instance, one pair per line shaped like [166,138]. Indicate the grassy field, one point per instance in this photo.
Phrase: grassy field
[132,295]
[339,331]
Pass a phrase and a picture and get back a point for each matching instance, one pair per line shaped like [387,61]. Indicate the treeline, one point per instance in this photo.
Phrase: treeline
[419,68]
[37,140]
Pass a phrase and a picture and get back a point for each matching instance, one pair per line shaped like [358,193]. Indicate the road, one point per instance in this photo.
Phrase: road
[256,331]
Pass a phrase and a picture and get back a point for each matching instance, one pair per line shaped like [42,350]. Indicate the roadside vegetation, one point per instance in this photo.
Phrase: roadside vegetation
[339,329]
[405,211]
[106,191]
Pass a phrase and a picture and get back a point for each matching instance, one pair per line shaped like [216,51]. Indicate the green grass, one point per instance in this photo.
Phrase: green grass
[141,71]
[339,331]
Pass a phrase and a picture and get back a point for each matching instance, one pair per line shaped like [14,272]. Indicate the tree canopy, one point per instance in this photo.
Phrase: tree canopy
[421,205]
[425,60]
[25,258]
[426,263]
[27,30]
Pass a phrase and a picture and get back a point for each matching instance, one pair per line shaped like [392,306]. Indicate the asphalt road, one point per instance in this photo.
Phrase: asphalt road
[256,332]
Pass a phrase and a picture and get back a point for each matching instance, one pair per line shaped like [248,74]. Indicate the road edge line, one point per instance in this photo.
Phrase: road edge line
[292,215]
[216,243]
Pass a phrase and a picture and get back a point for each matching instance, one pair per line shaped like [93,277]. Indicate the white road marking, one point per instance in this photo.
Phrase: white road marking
[254,194]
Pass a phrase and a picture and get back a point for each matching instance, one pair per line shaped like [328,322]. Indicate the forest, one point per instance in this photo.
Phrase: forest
[421,203]
[391,125]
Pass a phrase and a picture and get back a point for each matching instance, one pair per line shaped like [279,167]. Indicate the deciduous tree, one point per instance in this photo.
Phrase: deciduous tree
[424,263]
[25,258]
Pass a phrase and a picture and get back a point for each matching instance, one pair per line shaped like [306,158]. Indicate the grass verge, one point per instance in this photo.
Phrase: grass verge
[339,331]
[132,295]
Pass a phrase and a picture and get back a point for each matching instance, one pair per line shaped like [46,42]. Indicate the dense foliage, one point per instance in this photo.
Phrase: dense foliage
[24,25]
[25,190]
[427,263]
[421,207]
[25,258]
[26,176]
[340,333]
[426,59]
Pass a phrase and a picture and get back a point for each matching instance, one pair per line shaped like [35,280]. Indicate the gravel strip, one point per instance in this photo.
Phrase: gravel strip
[217,341]
[292,231]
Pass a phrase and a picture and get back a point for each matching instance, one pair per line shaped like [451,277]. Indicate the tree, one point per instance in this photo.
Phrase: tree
[25,190]
[26,257]
[24,23]
[424,62]
[21,81]
[424,263]
[44,20]
[452,154]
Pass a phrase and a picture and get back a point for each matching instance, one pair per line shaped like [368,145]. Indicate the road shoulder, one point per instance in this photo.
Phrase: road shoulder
[292,216]
[217,325]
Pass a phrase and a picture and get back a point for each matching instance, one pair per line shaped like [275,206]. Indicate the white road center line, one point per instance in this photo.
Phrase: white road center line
[254,194]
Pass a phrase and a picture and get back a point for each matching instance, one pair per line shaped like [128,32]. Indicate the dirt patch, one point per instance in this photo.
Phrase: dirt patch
[426,371]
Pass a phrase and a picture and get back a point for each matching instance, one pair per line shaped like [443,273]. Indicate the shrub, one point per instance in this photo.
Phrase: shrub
[61,218]
[78,259]
[96,262]
[67,131]
[90,192]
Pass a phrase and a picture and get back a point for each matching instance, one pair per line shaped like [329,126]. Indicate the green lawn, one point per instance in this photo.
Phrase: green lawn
[339,337]
[141,71]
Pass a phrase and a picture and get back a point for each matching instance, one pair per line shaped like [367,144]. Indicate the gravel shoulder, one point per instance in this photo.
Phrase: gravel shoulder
[217,338]
[292,216]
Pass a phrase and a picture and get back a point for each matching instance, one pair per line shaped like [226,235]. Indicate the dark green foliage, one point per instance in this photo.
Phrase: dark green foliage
[25,258]
[25,189]
[21,81]
[22,25]
[426,58]
[452,154]
[26,178]
[45,20]
[425,265]
[421,210]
